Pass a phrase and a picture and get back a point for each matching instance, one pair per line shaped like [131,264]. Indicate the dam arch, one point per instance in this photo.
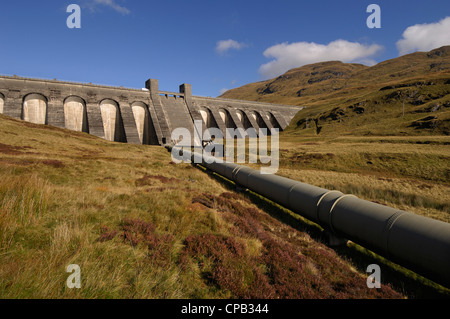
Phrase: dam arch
[260,121]
[2,103]
[208,118]
[274,121]
[34,109]
[144,123]
[204,114]
[227,119]
[75,115]
[244,119]
[112,121]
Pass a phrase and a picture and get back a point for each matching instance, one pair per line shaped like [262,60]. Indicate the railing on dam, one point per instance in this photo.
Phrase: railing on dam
[418,243]
[174,94]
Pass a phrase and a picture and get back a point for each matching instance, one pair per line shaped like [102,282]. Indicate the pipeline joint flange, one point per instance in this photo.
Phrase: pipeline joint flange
[332,239]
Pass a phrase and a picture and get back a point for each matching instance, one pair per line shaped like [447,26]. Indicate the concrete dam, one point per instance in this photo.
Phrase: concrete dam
[137,116]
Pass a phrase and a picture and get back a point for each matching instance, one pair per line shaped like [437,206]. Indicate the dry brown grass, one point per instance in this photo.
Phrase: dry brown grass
[407,173]
[127,216]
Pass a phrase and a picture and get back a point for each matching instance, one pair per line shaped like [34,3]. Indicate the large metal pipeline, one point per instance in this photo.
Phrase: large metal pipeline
[418,243]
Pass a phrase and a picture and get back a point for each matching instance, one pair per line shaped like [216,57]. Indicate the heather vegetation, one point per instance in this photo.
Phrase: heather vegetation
[140,226]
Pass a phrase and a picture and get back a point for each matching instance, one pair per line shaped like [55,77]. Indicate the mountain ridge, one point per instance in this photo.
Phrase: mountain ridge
[416,79]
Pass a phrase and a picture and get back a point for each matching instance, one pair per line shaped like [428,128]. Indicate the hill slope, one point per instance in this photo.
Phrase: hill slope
[407,95]
[141,227]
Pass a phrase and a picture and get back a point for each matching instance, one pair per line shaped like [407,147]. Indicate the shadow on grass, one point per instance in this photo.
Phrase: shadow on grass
[408,283]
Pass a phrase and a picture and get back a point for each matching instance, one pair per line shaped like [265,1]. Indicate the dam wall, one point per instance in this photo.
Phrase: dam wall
[137,116]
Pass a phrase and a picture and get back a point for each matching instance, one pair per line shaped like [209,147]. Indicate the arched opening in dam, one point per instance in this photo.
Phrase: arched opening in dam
[35,108]
[75,115]
[2,103]
[260,121]
[227,119]
[274,121]
[112,122]
[244,119]
[144,124]
[208,118]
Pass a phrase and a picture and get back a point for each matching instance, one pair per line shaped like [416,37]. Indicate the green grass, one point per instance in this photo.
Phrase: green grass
[22,205]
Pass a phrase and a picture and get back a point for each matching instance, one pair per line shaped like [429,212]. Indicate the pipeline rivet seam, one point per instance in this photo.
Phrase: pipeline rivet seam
[320,200]
[289,195]
[389,224]
[330,222]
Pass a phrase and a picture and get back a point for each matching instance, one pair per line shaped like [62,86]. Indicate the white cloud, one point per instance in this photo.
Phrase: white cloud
[425,37]
[225,45]
[109,3]
[287,56]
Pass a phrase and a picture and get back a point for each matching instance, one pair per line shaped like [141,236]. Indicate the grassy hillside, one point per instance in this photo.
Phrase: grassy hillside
[408,173]
[140,226]
[409,95]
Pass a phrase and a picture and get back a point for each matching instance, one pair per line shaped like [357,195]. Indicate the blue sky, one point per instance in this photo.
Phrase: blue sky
[125,42]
